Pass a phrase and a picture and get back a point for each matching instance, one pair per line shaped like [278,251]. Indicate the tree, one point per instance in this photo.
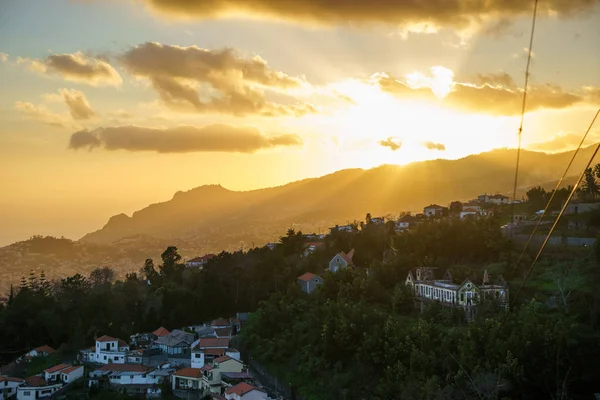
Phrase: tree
[589,186]
[102,276]
[455,207]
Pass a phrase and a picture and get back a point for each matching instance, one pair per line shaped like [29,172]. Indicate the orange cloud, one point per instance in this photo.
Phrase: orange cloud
[76,67]
[217,81]
[41,114]
[445,13]
[79,107]
[181,139]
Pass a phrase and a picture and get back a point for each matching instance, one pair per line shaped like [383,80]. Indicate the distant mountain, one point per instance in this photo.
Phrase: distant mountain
[212,218]
[222,218]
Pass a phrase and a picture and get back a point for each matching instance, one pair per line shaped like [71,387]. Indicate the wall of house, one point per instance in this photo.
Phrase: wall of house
[194,383]
[135,379]
[197,359]
[336,263]
[73,375]
[436,293]
[253,395]
[109,357]
[26,393]
[8,389]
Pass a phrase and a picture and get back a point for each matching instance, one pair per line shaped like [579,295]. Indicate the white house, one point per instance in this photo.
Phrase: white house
[342,228]
[199,261]
[378,220]
[434,210]
[245,391]
[41,351]
[206,349]
[403,223]
[211,378]
[498,199]
[53,373]
[8,386]
[187,379]
[107,350]
[133,378]
[35,387]
[71,374]
[308,282]
[467,212]
[465,294]
[341,260]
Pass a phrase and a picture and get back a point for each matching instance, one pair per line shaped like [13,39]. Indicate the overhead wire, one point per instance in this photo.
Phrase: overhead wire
[537,256]
[523,107]
[558,184]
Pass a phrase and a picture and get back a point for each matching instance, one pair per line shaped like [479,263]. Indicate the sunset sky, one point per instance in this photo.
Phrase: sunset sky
[107,106]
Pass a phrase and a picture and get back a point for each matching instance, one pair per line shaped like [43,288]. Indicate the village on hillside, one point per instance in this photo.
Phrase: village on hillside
[203,361]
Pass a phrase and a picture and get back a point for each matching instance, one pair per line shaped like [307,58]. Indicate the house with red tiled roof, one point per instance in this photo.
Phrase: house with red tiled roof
[211,380]
[206,349]
[36,387]
[245,391]
[160,332]
[53,373]
[8,386]
[308,282]
[469,212]
[107,350]
[187,379]
[200,261]
[435,210]
[341,260]
[311,247]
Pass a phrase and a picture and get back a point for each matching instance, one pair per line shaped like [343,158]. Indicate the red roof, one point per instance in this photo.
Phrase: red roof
[189,372]
[162,331]
[223,359]
[57,368]
[207,367]
[213,342]
[124,368]
[45,349]
[307,277]
[105,338]
[220,322]
[347,257]
[202,259]
[215,352]
[241,388]
[11,379]
[71,369]
[35,381]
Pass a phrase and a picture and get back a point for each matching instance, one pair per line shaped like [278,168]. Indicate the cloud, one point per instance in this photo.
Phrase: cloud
[121,114]
[391,143]
[3,57]
[441,13]
[434,146]
[42,114]
[217,81]
[495,94]
[76,67]
[565,142]
[181,139]
[79,107]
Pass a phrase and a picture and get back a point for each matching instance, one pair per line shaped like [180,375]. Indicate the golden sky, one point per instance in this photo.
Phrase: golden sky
[107,106]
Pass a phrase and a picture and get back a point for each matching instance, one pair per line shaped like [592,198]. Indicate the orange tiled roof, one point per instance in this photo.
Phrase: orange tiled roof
[307,277]
[241,388]
[45,349]
[57,368]
[35,381]
[189,372]
[71,369]
[162,331]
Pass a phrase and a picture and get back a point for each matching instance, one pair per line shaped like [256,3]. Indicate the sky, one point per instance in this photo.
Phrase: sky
[107,106]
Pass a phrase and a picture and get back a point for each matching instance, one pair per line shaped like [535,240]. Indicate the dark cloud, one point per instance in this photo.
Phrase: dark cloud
[79,107]
[495,94]
[391,143]
[434,146]
[77,67]
[182,139]
[220,81]
[445,13]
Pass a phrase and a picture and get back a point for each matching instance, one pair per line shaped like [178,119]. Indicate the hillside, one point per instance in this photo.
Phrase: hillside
[210,214]
[212,218]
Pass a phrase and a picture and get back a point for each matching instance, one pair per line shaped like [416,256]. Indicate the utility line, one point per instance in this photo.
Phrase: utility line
[558,217]
[555,190]
[523,105]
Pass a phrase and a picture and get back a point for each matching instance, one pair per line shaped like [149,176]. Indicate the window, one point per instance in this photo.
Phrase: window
[462,297]
[143,376]
[197,355]
[27,393]
[105,357]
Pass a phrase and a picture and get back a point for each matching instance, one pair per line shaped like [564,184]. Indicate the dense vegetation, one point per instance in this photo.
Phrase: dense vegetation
[358,336]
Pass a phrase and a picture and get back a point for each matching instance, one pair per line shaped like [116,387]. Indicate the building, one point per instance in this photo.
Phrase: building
[311,247]
[466,294]
[36,387]
[498,199]
[107,350]
[378,220]
[199,261]
[342,228]
[205,350]
[403,223]
[63,373]
[211,379]
[579,208]
[245,391]
[308,282]
[434,210]
[469,212]
[220,323]
[41,351]
[134,379]
[341,260]
[187,379]
[176,342]
[8,386]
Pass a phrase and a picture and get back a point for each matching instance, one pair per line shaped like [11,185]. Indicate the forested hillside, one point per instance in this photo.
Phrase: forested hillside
[358,336]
